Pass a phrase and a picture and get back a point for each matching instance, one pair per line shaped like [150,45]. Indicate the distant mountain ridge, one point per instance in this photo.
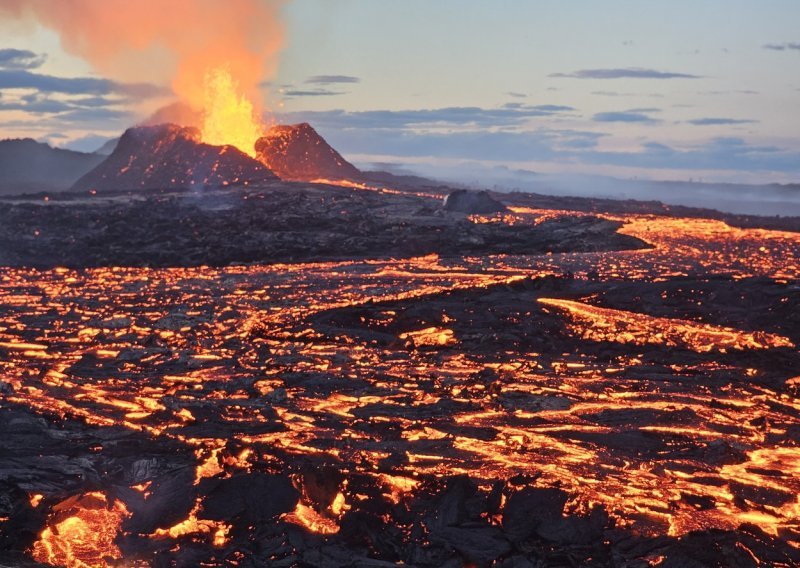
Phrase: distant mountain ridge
[28,166]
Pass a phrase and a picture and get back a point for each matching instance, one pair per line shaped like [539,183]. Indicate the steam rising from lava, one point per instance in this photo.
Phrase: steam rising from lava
[205,48]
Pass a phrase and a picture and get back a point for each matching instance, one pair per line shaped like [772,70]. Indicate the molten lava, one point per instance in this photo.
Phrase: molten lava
[215,531]
[229,116]
[84,538]
[307,517]
[672,417]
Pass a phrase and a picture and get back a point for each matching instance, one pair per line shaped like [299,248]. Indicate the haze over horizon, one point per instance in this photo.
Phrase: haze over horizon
[702,90]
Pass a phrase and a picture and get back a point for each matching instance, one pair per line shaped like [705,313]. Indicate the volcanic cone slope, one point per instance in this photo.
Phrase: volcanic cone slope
[298,153]
[171,156]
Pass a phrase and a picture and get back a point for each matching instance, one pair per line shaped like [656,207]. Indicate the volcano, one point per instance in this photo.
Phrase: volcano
[169,156]
[298,153]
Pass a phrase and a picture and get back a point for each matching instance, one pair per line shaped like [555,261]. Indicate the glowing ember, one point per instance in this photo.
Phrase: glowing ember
[84,538]
[229,117]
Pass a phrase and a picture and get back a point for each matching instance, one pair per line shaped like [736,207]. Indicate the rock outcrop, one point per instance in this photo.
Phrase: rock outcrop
[472,202]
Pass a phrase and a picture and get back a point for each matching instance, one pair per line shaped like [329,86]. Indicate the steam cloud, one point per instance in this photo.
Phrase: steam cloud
[155,41]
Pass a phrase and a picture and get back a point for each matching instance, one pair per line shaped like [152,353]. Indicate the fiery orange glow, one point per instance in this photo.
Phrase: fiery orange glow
[214,54]
[430,337]
[311,520]
[187,36]
[229,117]
[216,531]
[84,538]
[508,413]
[603,324]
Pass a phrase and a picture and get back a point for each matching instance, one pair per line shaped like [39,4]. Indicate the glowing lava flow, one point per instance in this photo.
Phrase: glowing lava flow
[166,350]
[604,324]
[216,531]
[229,117]
[84,538]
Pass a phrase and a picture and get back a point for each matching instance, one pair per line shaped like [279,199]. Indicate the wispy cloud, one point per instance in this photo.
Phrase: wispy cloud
[734,92]
[539,108]
[511,114]
[332,79]
[20,59]
[618,94]
[719,121]
[625,73]
[563,147]
[296,93]
[23,79]
[623,117]
[41,106]
[782,46]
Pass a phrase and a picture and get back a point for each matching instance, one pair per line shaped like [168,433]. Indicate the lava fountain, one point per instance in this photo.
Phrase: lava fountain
[214,55]
[229,116]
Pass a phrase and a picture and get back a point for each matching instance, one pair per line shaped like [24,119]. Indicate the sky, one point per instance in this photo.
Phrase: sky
[678,90]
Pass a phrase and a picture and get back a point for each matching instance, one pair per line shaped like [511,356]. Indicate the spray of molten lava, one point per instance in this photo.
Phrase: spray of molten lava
[229,117]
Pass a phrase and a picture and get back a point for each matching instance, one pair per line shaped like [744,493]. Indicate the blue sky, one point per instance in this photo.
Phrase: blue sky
[666,90]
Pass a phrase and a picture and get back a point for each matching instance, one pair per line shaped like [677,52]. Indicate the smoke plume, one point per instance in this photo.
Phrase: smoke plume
[175,41]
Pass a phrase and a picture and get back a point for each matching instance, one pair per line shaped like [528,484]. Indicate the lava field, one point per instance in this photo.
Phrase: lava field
[377,382]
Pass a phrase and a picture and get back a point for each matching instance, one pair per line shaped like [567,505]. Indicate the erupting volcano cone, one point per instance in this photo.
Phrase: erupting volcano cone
[170,156]
[298,153]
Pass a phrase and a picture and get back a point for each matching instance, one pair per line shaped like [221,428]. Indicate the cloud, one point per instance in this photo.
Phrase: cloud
[516,95]
[782,46]
[506,135]
[549,108]
[724,154]
[94,102]
[332,79]
[626,73]
[618,94]
[718,121]
[610,94]
[20,59]
[295,93]
[39,106]
[623,117]
[78,119]
[716,154]
[734,92]
[96,116]
[66,106]
[22,79]
[511,114]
